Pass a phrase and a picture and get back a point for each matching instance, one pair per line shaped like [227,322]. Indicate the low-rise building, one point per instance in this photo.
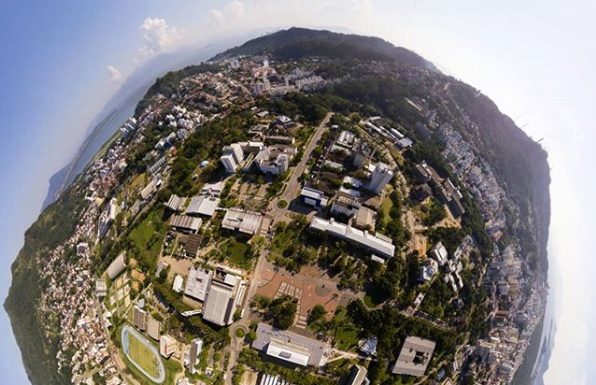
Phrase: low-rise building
[221,299]
[313,197]
[291,347]
[117,266]
[414,357]
[377,243]
[185,223]
[202,205]
[175,203]
[197,283]
[247,222]
[358,376]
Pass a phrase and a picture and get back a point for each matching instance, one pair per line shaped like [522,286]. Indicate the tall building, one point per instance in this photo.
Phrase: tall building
[167,346]
[196,346]
[381,175]
[232,157]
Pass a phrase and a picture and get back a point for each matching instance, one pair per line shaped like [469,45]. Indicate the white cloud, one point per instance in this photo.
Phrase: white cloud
[115,74]
[231,13]
[158,36]
[215,18]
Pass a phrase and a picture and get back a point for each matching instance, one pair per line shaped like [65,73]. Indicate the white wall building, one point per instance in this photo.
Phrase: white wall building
[381,175]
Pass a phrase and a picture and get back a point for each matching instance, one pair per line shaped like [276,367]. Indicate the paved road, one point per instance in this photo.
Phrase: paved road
[293,186]
[292,189]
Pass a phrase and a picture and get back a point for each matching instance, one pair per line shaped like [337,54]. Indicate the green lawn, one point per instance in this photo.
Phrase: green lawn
[144,357]
[146,238]
[238,253]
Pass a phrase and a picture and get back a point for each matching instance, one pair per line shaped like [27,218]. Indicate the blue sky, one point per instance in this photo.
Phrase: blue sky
[62,60]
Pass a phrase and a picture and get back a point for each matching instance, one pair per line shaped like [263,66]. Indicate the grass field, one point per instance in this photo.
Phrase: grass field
[143,356]
[147,237]
[238,254]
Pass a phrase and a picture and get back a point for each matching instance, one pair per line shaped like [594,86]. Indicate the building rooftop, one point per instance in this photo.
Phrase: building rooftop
[202,205]
[219,304]
[185,223]
[376,243]
[290,346]
[414,357]
[247,222]
[365,218]
[116,267]
[197,283]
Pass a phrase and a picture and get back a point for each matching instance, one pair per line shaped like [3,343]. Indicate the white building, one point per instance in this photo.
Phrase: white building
[376,243]
[381,175]
[167,346]
[232,157]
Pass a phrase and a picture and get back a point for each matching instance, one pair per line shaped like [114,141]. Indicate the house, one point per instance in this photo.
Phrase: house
[414,357]
[377,243]
[313,197]
[247,222]
[291,347]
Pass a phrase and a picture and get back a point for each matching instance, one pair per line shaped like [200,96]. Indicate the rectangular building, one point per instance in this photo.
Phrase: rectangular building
[197,283]
[377,243]
[291,347]
[247,222]
[414,357]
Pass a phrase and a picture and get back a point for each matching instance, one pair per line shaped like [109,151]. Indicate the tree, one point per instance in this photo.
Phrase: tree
[283,311]
[316,313]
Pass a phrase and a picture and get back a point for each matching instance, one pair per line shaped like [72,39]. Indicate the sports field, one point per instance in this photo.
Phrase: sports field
[142,354]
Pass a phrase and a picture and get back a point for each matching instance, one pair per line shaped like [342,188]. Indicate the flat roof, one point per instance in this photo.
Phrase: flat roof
[288,353]
[317,351]
[247,222]
[218,303]
[202,205]
[185,222]
[197,283]
[414,357]
[378,243]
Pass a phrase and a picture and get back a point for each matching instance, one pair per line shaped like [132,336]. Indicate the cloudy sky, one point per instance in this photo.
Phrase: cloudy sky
[62,60]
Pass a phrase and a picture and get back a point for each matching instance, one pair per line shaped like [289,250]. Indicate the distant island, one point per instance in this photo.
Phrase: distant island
[306,208]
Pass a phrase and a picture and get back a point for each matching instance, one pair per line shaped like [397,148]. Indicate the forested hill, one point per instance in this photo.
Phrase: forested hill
[299,42]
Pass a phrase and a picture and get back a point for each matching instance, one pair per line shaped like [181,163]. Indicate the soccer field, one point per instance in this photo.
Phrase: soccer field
[142,354]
